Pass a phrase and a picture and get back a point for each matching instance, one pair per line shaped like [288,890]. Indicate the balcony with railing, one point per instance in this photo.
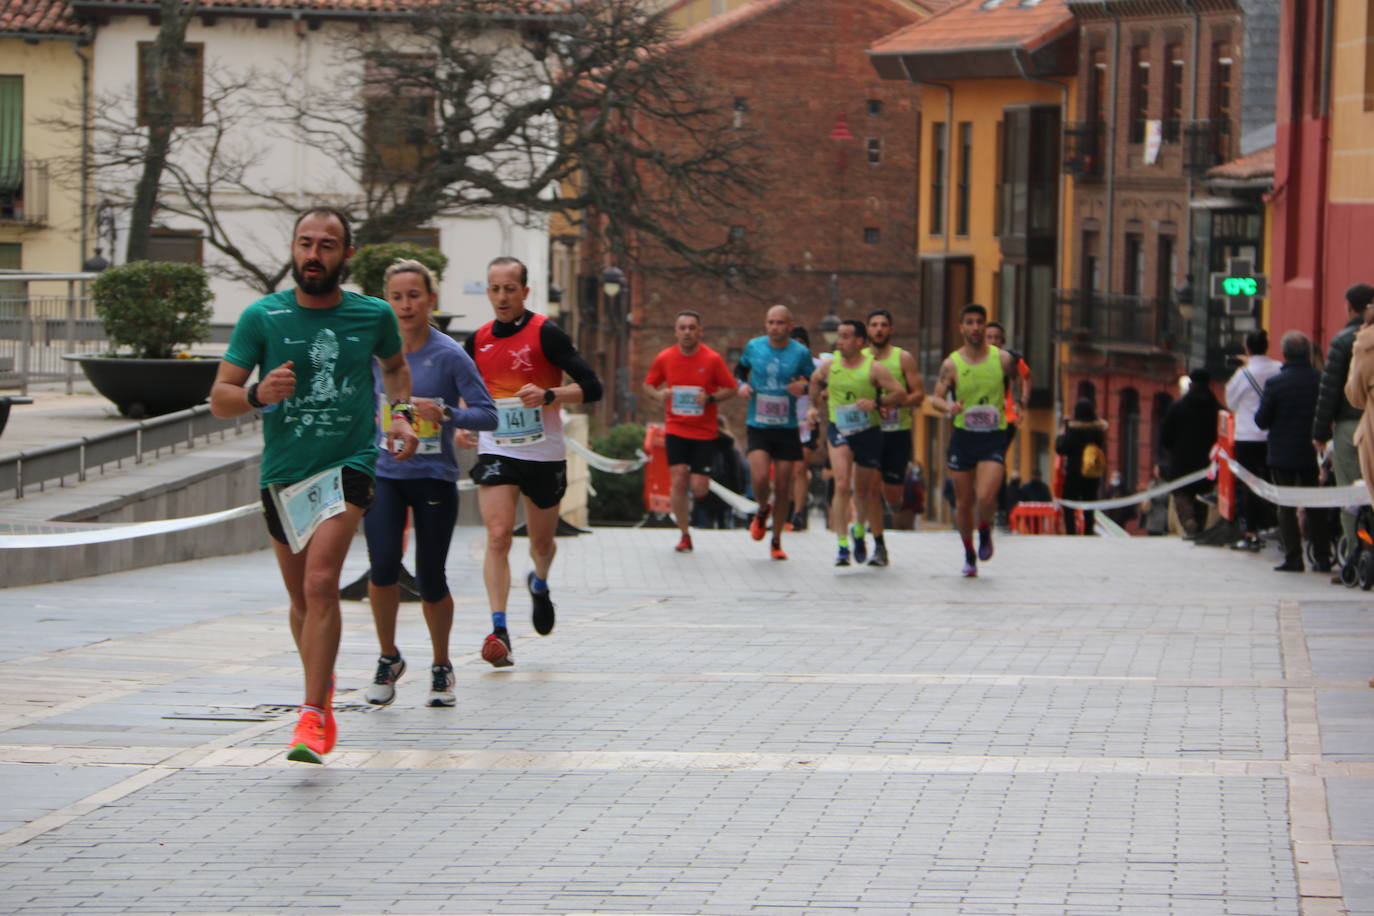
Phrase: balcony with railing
[1206,144]
[1085,149]
[24,192]
[1117,322]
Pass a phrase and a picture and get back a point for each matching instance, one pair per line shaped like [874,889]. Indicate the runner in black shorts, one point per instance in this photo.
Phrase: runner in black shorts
[522,357]
[689,379]
[773,371]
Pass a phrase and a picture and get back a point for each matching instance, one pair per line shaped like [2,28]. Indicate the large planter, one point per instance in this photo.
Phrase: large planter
[150,387]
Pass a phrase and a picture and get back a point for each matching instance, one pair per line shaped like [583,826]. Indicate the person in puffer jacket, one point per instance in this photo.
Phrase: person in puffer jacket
[1337,418]
[1286,410]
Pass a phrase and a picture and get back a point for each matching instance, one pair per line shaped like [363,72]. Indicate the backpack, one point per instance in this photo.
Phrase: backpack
[1094,463]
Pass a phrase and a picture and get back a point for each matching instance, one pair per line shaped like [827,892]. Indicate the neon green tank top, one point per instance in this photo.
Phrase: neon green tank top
[982,390]
[848,386]
[894,419]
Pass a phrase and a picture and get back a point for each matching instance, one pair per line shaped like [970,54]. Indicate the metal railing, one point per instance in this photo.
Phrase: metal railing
[1119,321]
[36,468]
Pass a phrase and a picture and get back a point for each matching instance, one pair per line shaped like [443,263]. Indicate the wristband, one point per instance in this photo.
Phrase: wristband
[252,392]
[403,409]
[549,396]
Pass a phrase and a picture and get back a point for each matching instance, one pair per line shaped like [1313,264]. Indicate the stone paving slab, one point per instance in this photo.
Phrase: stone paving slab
[1091,727]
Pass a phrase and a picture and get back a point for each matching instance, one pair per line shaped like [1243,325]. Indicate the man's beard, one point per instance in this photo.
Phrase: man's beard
[874,341]
[322,285]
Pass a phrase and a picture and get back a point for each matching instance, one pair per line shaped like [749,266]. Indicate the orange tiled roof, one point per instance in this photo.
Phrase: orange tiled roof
[728,20]
[1259,164]
[981,24]
[249,7]
[38,17]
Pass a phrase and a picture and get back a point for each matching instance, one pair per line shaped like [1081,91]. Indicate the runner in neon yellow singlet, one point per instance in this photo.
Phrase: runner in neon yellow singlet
[972,389]
[855,388]
[895,423]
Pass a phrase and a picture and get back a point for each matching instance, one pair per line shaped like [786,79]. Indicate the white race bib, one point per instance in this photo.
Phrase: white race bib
[426,431]
[517,424]
[891,419]
[982,418]
[850,419]
[772,409]
[684,401]
[303,506]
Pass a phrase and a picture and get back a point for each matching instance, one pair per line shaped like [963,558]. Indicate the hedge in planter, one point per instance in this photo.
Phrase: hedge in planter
[153,307]
[367,268]
[619,497]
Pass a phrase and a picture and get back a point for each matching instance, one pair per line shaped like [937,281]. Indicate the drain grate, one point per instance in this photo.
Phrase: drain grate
[263,712]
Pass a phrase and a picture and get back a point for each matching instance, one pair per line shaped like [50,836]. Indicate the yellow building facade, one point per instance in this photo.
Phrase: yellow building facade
[997,84]
[41,212]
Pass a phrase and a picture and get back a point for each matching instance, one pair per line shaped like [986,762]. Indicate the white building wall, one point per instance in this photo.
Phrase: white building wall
[236,45]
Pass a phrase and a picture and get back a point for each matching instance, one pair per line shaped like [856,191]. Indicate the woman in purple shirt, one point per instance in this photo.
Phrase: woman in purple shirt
[447,394]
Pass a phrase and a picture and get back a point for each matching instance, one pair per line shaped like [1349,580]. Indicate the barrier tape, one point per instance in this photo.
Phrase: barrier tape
[99,534]
[1136,499]
[732,499]
[609,465]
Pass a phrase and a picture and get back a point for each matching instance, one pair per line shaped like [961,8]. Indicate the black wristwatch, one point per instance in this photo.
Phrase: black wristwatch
[711,398]
[252,393]
[549,396]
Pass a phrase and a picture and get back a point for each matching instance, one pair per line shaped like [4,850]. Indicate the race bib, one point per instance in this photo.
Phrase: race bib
[772,409]
[891,419]
[303,506]
[684,401]
[426,430]
[517,424]
[982,418]
[850,419]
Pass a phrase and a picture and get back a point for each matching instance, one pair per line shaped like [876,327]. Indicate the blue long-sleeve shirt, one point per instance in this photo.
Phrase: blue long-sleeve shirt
[441,370]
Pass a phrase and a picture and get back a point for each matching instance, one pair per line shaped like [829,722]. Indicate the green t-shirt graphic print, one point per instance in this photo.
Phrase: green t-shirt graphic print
[331,420]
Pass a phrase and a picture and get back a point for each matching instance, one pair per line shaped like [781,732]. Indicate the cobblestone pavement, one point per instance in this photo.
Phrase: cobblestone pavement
[1093,726]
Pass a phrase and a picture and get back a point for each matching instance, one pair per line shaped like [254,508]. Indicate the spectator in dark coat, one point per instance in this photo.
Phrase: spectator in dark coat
[1186,438]
[1286,410]
[1074,438]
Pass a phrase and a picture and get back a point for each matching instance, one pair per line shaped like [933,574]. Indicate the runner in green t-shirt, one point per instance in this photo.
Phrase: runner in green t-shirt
[313,347]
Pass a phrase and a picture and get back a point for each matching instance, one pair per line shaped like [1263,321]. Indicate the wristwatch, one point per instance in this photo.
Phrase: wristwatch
[252,393]
[711,398]
[403,409]
[549,396]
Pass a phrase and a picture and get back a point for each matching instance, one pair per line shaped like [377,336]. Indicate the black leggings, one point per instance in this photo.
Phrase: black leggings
[434,508]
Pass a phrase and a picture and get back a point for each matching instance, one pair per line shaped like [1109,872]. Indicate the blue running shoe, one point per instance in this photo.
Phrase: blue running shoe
[860,548]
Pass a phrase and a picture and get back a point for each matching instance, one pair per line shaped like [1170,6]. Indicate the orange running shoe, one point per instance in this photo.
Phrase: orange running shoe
[331,728]
[776,552]
[758,526]
[310,742]
[684,545]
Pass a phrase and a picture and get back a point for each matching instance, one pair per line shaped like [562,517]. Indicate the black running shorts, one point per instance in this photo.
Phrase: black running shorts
[544,482]
[697,454]
[781,443]
[358,489]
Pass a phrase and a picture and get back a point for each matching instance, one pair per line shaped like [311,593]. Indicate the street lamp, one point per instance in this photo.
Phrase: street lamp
[830,328]
[612,282]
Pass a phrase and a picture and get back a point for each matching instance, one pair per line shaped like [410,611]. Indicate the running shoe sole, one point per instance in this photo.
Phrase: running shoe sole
[301,754]
[777,554]
[684,546]
[496,653]
[444,697]
[542,615]
[879,559]
[842,560]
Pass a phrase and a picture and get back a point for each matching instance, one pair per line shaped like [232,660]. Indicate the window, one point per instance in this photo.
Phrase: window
[1222,99]
[871,235]
[938,151]
[875,151]
[174,245]
[961,206]
[875,107]
[741,109]
[11,146]
[399,112]
[1134,266]
[1140,92]
[1173,92]
[182,92]
[1165,266]
[1097,87]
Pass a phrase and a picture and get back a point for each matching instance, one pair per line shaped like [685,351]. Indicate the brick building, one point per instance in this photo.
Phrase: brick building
[836,229]
[1168,89]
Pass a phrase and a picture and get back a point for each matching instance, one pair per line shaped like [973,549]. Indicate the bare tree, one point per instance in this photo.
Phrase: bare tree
[472,105]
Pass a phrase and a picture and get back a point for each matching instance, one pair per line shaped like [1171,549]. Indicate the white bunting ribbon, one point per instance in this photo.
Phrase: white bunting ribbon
[99,534]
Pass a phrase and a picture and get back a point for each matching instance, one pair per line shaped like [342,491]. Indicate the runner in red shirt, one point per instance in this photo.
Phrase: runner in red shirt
[689,379]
